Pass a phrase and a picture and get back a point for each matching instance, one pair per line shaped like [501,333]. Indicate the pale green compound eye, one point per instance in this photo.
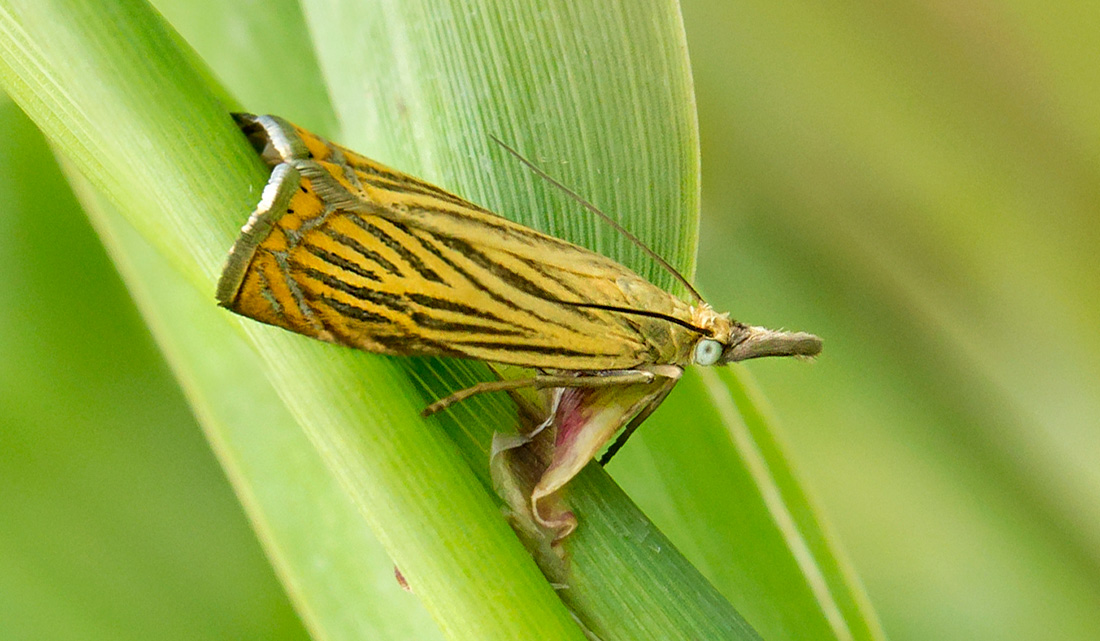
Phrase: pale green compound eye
[707,351]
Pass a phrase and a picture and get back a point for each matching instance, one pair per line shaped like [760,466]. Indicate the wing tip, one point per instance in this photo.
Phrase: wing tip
[280,188]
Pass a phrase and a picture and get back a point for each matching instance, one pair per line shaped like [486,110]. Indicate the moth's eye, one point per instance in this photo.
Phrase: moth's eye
[707,351]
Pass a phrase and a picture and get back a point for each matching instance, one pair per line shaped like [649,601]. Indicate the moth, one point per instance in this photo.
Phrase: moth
[349,251]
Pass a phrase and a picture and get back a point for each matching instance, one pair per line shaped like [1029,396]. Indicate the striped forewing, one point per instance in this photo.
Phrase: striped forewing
[366,256]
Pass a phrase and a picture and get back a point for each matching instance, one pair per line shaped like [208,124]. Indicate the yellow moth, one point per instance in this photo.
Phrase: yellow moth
[349,251]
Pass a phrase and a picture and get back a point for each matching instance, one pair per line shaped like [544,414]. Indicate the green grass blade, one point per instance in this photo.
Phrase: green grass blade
[723,489]
[122,116]
[599,95]
[327,557]
[918,185]
[115,518]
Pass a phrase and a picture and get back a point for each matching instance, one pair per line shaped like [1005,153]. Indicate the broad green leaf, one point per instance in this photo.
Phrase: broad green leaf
[329,560]
[917,184]
[135,93]
[115,518]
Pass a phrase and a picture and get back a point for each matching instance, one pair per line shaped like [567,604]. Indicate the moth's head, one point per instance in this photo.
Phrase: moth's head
[730,341]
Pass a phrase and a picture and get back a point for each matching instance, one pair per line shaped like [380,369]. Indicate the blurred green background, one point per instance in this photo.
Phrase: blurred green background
[917,183]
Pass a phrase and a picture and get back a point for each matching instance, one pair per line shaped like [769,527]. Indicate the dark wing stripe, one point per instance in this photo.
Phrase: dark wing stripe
[545,350]
[380,298]
[353,311]
[534,266]
[424,320]
[430,247]
[401,185]
[358,248]
[269,295]
[445,305]
[397,304]
[341,262]
[496,225]
[507,276]
[372,168]
[410,258]
[405,344]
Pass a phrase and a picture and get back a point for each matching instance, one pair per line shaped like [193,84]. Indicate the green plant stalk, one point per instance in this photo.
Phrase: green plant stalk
[129,117]
[297,507]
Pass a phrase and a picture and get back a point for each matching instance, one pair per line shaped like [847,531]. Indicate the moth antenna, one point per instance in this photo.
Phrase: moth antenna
[639,312]
[607,219]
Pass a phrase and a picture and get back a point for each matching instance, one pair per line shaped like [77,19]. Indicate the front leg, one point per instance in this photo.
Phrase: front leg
[543,381]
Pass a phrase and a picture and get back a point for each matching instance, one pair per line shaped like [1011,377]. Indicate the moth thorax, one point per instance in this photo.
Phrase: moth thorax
[718,326]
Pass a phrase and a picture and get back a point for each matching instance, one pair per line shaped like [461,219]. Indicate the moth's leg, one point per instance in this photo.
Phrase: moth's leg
[607,379]
[529,412]
[671,374]
[635,422]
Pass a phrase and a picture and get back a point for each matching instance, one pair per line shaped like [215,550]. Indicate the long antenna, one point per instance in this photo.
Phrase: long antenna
[640,312]
[608,219]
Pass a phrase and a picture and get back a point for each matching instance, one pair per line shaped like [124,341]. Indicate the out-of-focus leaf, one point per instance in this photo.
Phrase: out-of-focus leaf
[115,520]
[917,184]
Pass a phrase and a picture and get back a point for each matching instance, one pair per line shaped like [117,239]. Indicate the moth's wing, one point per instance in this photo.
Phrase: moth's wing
[349,251]
[379,283]
[530,266]
[256,280]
